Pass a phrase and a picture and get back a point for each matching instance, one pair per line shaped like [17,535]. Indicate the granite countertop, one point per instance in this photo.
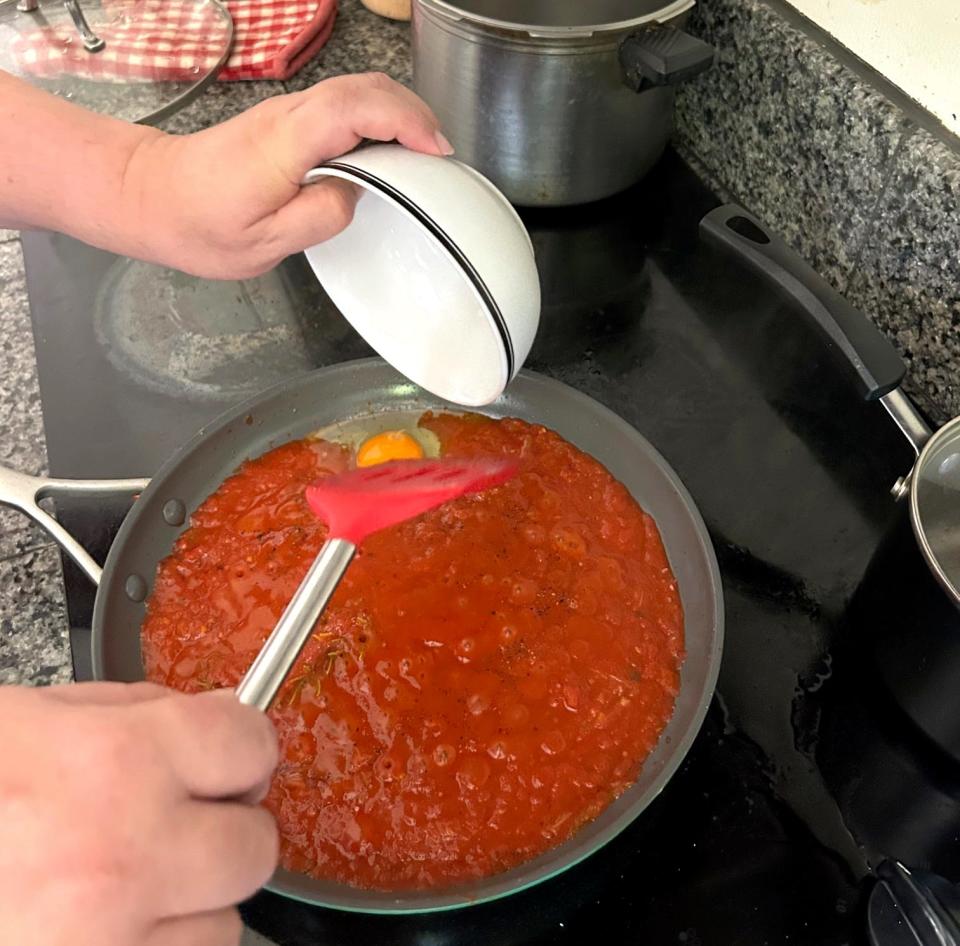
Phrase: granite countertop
[855,176]
[34,645]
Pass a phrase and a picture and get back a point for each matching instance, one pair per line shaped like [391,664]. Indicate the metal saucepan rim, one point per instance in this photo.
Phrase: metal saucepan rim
[930,557]
[450,11]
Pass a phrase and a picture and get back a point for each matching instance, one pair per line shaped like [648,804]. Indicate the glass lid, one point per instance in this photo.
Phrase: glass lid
[936,506]
[139,60]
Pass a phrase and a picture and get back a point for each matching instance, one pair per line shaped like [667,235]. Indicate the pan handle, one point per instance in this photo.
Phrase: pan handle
[23,492]
[873,362]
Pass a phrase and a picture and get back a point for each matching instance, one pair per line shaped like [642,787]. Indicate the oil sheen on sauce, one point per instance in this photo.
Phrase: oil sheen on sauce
[487,678]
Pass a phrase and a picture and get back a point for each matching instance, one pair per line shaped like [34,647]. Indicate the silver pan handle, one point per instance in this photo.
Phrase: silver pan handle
[23,492]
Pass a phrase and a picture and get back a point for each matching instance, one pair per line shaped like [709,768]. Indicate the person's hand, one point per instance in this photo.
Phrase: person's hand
[129,815]
[227,202]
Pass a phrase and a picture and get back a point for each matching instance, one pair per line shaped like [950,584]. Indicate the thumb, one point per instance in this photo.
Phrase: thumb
[318,211]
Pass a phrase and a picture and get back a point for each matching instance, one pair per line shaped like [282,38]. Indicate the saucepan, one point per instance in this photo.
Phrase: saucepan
[908,603]
[302,405]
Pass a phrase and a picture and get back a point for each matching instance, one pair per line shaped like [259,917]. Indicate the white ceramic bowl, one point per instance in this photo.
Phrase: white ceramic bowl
[436,272]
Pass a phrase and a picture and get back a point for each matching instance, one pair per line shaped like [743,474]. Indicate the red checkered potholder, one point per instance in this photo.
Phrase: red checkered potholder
[172,41]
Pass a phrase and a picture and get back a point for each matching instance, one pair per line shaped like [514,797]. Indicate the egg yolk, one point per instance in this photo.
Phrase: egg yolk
[390,445]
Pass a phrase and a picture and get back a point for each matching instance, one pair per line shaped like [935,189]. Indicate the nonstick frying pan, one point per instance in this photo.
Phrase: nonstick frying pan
[305,404]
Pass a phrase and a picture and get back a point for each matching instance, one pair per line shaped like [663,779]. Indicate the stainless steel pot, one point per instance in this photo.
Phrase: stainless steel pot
[557,101]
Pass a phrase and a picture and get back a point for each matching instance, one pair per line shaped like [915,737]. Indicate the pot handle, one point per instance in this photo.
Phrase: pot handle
[662,56]
[23,492]
[866,352]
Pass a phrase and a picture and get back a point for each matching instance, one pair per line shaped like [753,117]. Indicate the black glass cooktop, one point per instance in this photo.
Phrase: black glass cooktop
[805,776]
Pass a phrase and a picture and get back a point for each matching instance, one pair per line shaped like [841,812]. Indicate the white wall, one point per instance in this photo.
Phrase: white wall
[914,43]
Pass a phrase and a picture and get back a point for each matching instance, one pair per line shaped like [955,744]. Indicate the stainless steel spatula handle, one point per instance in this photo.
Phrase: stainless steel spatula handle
[263,680]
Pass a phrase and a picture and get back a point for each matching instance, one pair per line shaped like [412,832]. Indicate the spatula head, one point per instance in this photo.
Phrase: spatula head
[359,502]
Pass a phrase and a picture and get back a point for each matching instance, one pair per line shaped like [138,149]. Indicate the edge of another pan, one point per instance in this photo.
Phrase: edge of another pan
[290,410]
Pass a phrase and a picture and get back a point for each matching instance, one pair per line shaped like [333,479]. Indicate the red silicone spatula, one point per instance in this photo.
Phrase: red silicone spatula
[354,505]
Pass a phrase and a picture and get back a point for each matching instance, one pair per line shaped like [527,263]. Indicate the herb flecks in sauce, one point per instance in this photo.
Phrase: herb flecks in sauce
[487,678]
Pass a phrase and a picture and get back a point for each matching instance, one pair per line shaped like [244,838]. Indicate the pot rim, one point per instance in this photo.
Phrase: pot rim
[919,532]
[448,10]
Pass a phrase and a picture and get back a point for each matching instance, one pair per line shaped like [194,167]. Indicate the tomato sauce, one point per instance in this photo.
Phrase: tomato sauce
[487,678]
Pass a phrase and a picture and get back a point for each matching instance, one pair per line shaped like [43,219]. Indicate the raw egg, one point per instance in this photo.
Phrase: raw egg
[379,438]
[387,446]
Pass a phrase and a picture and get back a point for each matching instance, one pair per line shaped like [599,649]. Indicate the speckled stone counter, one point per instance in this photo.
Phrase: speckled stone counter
[865,186]
[33,630]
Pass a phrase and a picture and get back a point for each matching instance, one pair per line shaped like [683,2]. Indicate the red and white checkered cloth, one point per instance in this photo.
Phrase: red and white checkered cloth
[169,41]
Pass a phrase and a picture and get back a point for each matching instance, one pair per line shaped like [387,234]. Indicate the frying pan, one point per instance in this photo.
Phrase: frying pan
[302,405]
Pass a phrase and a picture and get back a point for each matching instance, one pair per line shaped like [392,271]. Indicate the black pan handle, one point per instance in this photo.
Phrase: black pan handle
[663,55]
[875,364]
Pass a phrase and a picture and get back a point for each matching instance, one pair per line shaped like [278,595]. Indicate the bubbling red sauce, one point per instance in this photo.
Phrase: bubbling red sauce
[486,679]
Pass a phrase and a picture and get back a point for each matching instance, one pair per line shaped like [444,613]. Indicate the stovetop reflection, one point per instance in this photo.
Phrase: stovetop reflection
[188,337]
[797,785]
